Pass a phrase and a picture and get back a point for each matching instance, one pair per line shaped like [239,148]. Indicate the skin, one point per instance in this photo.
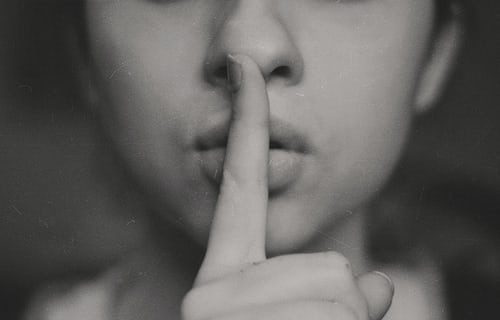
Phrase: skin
[361,64]
[286,287]
[347,75]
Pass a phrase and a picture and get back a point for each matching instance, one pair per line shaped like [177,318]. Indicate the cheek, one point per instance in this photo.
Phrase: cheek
[361,123]
[141,79]
[358,89]
[361,79]
[147,108]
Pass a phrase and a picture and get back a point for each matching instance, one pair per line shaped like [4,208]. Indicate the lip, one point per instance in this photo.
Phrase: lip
[281,136]
[284,167]
[287,154]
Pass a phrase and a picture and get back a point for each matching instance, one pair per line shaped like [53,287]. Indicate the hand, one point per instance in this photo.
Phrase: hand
[236,281]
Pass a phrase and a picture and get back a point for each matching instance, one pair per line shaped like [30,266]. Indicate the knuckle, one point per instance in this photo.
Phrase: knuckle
[230,178]
[337,267]
[336,260]
[233,178]
[336,271]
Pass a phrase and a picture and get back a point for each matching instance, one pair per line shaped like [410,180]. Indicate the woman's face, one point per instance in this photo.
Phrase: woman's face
[341,78]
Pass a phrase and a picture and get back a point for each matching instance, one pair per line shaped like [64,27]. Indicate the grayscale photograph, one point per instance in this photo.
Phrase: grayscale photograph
[249,159]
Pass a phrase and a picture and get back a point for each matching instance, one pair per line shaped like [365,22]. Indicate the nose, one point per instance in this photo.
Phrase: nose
[253,28]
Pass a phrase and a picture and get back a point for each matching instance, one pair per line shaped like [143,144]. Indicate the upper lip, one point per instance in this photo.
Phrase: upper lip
[282,135]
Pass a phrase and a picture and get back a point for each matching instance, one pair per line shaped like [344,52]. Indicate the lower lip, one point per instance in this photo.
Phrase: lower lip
[284,167]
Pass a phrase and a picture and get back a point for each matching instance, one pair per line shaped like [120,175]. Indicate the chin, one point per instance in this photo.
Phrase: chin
[291,227]
[290,238]
[288,231]
[280,242]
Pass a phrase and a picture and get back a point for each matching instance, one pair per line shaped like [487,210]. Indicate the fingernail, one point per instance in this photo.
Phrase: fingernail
[386,277]
[234,73]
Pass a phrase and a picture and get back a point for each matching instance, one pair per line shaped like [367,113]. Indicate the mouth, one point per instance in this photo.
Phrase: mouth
[282,136]
[288,149]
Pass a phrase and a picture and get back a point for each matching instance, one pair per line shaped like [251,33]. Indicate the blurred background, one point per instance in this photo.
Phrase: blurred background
[66,209]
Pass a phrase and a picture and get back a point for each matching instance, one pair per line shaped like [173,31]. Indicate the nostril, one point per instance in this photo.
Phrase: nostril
[282,72]
[216,72]
[221,73]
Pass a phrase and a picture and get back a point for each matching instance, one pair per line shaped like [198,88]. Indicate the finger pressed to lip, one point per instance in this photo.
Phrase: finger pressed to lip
[237,236]
[284,168]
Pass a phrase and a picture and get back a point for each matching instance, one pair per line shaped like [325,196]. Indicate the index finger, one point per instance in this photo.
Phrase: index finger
[237,235]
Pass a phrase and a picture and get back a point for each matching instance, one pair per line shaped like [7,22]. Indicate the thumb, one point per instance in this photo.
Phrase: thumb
[378,290]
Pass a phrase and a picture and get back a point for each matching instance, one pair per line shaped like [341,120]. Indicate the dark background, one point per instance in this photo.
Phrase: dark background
[64,207]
